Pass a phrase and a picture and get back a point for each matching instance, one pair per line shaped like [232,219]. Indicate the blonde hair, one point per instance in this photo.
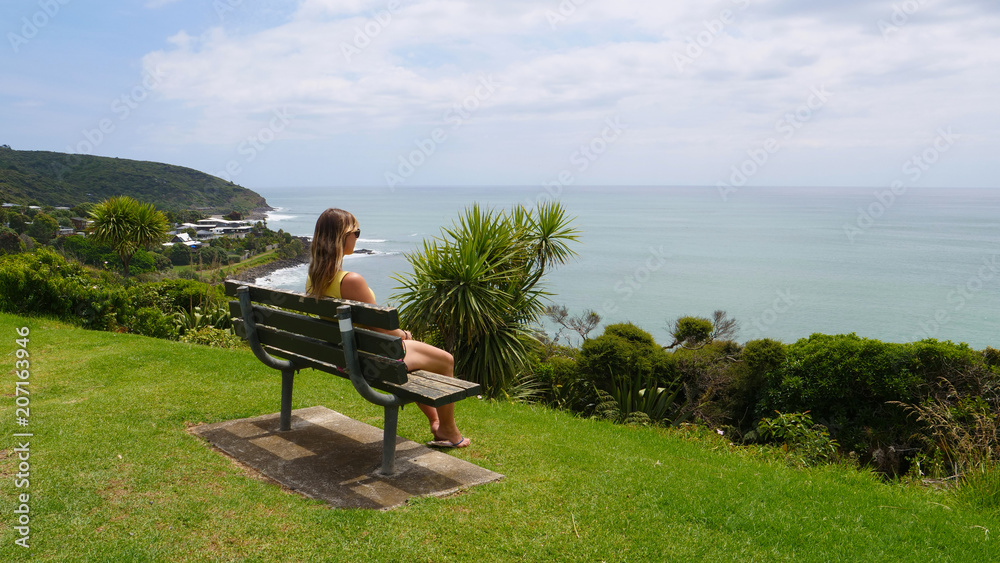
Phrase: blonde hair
[327,248]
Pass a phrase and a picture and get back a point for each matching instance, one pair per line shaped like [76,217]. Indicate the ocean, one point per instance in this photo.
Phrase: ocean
[784,262]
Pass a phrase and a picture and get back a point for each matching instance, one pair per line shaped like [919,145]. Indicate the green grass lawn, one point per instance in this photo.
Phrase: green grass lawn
[115,476]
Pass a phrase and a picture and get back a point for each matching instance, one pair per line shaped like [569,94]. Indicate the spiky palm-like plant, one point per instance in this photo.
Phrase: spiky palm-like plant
[476,287]
[126,225]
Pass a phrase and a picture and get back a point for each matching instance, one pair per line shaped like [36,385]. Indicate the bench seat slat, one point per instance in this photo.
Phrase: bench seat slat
[432,389]
[372,367]
[361,313]
[421,386]
[320,329]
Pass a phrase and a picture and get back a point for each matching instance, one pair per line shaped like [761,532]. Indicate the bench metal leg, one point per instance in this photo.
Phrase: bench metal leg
[389,440]
[287,375]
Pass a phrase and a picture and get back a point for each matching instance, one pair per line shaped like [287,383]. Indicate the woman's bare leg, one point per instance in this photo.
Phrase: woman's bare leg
[420,355]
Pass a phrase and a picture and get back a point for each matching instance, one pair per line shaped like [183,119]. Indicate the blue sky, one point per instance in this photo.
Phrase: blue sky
[272,93]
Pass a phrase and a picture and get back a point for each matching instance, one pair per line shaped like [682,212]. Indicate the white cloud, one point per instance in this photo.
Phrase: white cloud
[720,75]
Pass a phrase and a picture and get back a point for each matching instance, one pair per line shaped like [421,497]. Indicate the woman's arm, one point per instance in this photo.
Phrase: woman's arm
[355,288]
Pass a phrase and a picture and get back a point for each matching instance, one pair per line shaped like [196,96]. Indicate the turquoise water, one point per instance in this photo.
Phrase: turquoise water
[785,262]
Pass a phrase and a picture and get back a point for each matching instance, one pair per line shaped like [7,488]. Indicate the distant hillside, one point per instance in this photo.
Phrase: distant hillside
[53,178]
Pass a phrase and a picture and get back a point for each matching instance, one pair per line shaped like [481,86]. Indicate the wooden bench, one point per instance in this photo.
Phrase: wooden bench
[319,333]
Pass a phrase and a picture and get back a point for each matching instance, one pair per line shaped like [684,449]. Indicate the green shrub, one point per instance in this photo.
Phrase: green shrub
[845,381]
[712,376]
[762,356]
[959,421]
[691,331]
[10,243]
[43,228]
[43,283]
[625,365]
[631,333]
[560,384]
[150,321]
[185,294]
[180,255]
[855,386]
[144,262]
[291,249]
[211,256]
[623,353]
[215,337]
[83,249]
[991,356]
[805,443]
[642,399]
[18,222]
[198,318]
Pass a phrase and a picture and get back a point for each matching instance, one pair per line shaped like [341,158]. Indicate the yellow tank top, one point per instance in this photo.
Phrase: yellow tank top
[333,290]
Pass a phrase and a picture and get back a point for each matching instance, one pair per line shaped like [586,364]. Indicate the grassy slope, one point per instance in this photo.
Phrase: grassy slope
[116,477]
[53,178]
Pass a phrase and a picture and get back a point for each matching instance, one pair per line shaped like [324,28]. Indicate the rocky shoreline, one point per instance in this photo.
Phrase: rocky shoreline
[253,273]
[258,214]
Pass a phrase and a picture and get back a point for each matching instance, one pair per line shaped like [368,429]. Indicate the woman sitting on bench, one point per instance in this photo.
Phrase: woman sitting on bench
[336,233]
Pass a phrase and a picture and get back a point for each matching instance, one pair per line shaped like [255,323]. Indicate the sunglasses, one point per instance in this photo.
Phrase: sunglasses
[356,232]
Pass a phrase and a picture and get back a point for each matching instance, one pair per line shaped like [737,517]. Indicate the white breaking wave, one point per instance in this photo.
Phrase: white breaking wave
[286,278]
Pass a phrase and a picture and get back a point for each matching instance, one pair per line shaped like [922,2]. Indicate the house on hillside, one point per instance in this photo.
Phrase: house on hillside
[80,223]
[225,227]
[215,228]
[185,239]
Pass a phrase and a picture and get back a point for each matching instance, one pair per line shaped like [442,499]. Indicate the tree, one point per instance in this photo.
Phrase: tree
[695,332]
[10,243]
[476,289]
[291,250]
[581,324]
[43,228]
[180,254]
[126,225]
[18,222]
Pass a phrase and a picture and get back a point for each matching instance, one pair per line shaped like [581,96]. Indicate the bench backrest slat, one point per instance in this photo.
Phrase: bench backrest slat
[373,367]
[361,313]
[329,331]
